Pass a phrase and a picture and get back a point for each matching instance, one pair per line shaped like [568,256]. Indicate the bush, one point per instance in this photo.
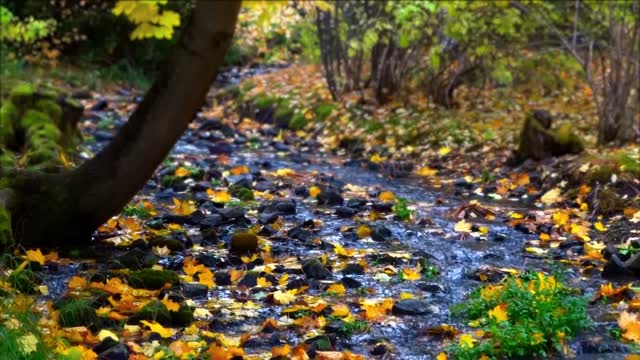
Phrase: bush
[526,316]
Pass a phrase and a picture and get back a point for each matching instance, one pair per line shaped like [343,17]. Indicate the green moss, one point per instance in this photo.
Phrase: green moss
[22,95]
[7,159]
[51,108]
[609,202]
[6,237]
[323,110]
[262,101]
[168,180]
[152,279]
[241,193]
[298,122]
[153,311]
[600,174]
[8,119]
[33,117]
[77,312]
[182,317]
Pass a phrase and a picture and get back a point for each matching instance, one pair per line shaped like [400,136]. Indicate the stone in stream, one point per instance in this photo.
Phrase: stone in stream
[117,352]
[353,268]
[171,243]
[249,280]
[413,307]
[242,242]
[345,212]
[329,196]
[351,283]
[380,233]
[431,287]
[616,269]
[136,259]
[383,207]
[193,290]
[222,278]
[356,203]
[211,221]
[231,213]
[105,345]
[314,269]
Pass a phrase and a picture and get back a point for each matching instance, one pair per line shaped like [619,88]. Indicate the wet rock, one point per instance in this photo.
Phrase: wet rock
[136,259]
[380,233]
[302,191]
[193,290]
[413,307]
[182,317]
[232,213]
[105,345]
[278,146]
[250,280]
[383,207]
[268,218]
[211,221]
[381,348]
[463,183]
[499,237]
[103,135]
[222,278]
[353,268]
[356,203]
[345,212]
[300,233]
[117,352]
[330,196]
[209,124]
[633,263]
[351,283]
[171,243]
[280,207]
[220,148]
[522,227]
[100,105]
[431,287]
[242,242]
[152,279]
[616,269]
[314,269]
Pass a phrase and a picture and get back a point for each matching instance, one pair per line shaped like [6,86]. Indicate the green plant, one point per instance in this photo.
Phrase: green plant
[429,270]
[20,332]
[527,315]
[137,210]
[402,210]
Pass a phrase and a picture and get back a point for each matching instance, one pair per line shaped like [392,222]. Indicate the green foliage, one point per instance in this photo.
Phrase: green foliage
[528,315]
[77,312]
[152,279]
[20,333]
[136,210]
[150,20]
[401,209]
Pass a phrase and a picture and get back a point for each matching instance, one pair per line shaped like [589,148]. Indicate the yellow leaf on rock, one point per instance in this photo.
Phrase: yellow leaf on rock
[171,306]
[35,256]
[444,150]
[284,172]
[159,329]
[283,350]
[462,226]
[363,231]
[339,250]
[314,191]
[336,289]
[560,217]
[104,333]
[220,197]
[340,310]
[263,282]
[536,250]
[387,196]
[183,207]
[239,170]
[426,171]
[599,226]
[551,197]
[441,356]
[411,274]
[182,172]
[284,297]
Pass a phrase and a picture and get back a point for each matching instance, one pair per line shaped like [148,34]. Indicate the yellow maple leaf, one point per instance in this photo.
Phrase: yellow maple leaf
[580,231]
[171,305]
[205,277]
[467,341]
[284,172]
[35,256]
[387,196]
[221,196]
[336,289]
[444,150]
[426,171]
[599,226]
[411,274]
[339,250]
[340,310]
[499,313]
[376,158]
[560,217]
[284,297]
[239,170]
[182,172]
[363,231]
[314,191]
[283,350]
[551,197]
[462,226]
[263,282]
[441,356]
[159,329]
[183,207]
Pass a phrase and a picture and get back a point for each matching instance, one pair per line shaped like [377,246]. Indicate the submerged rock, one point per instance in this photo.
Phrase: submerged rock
[314,269]
[413,307]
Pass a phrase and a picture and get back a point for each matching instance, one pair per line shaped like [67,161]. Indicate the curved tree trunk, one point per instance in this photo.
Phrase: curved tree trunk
[66,208]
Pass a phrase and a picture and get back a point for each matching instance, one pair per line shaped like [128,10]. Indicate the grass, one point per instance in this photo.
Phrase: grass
[526,316]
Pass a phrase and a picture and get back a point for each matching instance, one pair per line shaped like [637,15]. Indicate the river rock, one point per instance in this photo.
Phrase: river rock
[314,269]
[413,307]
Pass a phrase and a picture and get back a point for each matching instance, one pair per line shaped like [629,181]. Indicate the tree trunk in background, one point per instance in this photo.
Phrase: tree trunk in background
[61,209]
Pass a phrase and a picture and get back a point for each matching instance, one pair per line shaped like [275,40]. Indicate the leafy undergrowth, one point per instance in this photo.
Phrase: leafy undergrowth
[526,316]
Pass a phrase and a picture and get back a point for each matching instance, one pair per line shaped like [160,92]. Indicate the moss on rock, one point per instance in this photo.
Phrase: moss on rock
[24,281]
[6,237]
[77,312]
[153,311]
[22,95]
[152,279]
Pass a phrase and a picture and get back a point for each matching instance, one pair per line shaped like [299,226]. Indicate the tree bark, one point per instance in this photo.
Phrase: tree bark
[66,208]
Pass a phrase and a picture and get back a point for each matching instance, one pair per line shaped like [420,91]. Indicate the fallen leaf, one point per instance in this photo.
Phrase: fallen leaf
[35,256]
[159,329]
[462,226]
[551,197]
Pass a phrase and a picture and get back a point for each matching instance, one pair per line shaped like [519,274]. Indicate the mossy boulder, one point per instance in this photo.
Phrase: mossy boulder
[155,310]
[182,317]
[241,192]
[77,312]
[609,202]
[323,110]
[298,121]
[538,141]
[152,279]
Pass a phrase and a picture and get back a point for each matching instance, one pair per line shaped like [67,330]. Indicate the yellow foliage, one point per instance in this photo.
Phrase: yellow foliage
[151,21]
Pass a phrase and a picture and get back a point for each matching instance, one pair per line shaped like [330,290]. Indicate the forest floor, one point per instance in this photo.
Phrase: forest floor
[351,232]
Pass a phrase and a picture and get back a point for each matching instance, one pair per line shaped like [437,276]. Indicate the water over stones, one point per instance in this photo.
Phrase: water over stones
[413,307]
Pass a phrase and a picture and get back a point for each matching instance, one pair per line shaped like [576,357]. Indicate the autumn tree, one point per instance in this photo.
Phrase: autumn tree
[49,209]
